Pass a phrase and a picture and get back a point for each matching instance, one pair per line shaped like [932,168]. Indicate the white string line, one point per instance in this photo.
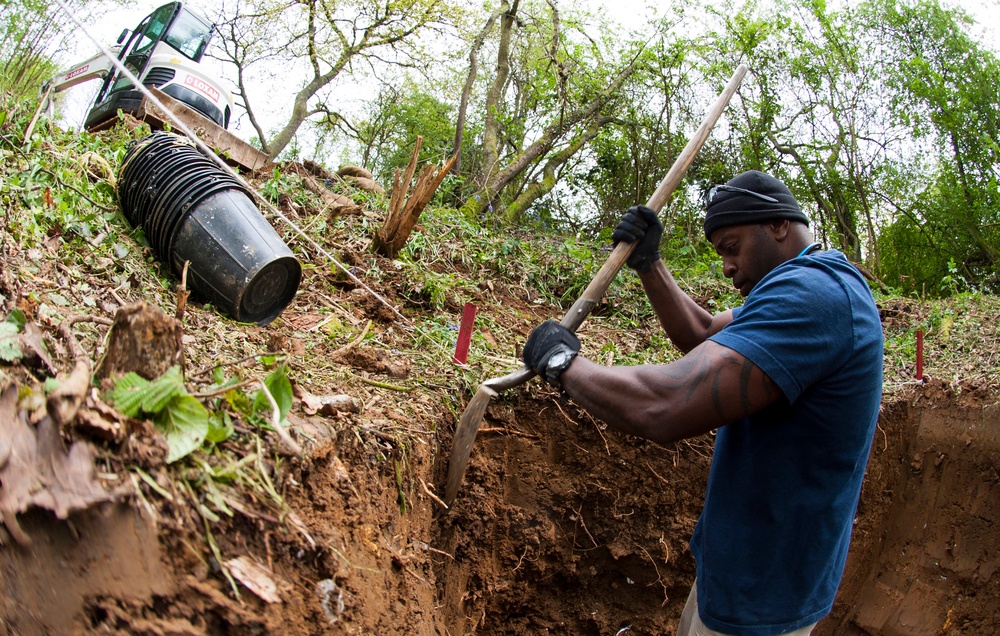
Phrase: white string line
[225,167]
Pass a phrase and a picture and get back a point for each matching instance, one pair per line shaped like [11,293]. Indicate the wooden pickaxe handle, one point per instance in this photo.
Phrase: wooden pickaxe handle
[602,280]
[468,425]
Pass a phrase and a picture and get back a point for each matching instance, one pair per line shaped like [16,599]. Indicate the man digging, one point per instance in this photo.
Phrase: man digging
[791,381]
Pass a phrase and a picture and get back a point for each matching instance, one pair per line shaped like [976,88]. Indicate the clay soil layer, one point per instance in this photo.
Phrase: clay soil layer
[562,527]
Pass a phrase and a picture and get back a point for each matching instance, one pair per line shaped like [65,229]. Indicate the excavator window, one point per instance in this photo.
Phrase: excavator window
[189,35]
[153,30]
[144,39]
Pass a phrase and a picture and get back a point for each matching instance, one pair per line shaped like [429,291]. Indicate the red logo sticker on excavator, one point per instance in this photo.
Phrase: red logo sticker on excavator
[202,86]
[75,72]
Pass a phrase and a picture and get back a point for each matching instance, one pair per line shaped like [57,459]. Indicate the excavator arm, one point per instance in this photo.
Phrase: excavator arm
[96,67]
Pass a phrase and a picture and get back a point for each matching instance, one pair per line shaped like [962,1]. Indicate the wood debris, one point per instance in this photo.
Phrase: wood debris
[405,208]
[37,470]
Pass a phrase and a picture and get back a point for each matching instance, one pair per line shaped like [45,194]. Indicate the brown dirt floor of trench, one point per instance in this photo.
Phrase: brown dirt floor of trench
[562,527]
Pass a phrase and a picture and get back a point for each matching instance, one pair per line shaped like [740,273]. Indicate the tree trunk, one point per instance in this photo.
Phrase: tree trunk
[479,201]
[540,188]
[467,89]
[491,126]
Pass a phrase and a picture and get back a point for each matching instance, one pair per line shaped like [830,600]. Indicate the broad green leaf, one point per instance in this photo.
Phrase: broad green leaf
[128,394]
[281,390]
[220,427]
[17,318]
[10,347]
[185,424]
[161,390]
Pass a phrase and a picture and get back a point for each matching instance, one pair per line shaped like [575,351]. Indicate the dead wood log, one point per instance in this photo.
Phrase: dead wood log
[337,203]
[404,211]
[364,183]
[354,171]
[317,169]
[64,402]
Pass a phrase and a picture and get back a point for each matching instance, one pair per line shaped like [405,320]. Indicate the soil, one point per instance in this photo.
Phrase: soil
[562,526]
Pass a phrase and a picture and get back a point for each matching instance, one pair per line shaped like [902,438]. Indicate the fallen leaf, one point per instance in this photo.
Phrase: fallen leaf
[39,470]
[58,299]
[32,339]
[339,471]
[328,404]
[10,343]
[488,336]
[257,578]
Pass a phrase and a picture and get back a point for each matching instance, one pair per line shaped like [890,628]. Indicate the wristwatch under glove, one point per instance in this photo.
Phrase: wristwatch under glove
[641,224]
[550,350]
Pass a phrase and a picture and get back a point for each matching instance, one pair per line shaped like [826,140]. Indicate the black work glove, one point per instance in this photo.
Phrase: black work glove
[550,350]
[643,225]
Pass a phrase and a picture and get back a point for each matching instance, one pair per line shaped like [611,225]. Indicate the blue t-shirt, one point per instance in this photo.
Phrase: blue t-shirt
[772,540]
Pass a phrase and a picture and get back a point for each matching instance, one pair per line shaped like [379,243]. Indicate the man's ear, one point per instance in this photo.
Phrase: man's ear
[780,229]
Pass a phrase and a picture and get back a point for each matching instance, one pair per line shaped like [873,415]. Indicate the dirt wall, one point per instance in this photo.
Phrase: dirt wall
[561,527]
[567,528]
[926,547]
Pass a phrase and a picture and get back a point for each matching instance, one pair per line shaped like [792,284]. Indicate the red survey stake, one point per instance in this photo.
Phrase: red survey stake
[465,334]
[920,354]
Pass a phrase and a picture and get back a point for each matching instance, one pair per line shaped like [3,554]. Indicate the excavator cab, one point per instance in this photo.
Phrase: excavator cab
[164,51]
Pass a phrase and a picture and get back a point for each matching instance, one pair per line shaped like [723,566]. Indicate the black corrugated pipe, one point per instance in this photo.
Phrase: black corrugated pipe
[192,211]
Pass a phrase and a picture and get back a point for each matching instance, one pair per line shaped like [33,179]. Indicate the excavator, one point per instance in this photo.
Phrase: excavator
[165,53]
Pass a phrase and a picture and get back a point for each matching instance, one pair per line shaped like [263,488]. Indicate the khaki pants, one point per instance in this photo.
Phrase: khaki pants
[691,625]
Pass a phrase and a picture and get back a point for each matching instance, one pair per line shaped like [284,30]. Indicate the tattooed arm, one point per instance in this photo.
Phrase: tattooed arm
[686,323]
[709,387]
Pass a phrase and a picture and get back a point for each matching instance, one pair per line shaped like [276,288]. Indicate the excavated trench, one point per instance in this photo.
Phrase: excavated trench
[565,528]
[561,527]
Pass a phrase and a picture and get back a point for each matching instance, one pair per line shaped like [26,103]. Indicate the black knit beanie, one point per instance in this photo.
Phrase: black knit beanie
[738,208]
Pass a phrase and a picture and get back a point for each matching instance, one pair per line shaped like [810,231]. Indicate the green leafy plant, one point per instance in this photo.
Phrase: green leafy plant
[953,282]
[10,329]
[428,285]
[177,414]
[280,388]
[275,186]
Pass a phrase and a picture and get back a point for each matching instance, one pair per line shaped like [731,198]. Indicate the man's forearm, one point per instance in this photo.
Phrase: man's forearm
[710,387]
[685,322]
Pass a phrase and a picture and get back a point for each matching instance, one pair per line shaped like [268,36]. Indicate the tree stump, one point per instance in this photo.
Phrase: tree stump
[404,207]
[142,339]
